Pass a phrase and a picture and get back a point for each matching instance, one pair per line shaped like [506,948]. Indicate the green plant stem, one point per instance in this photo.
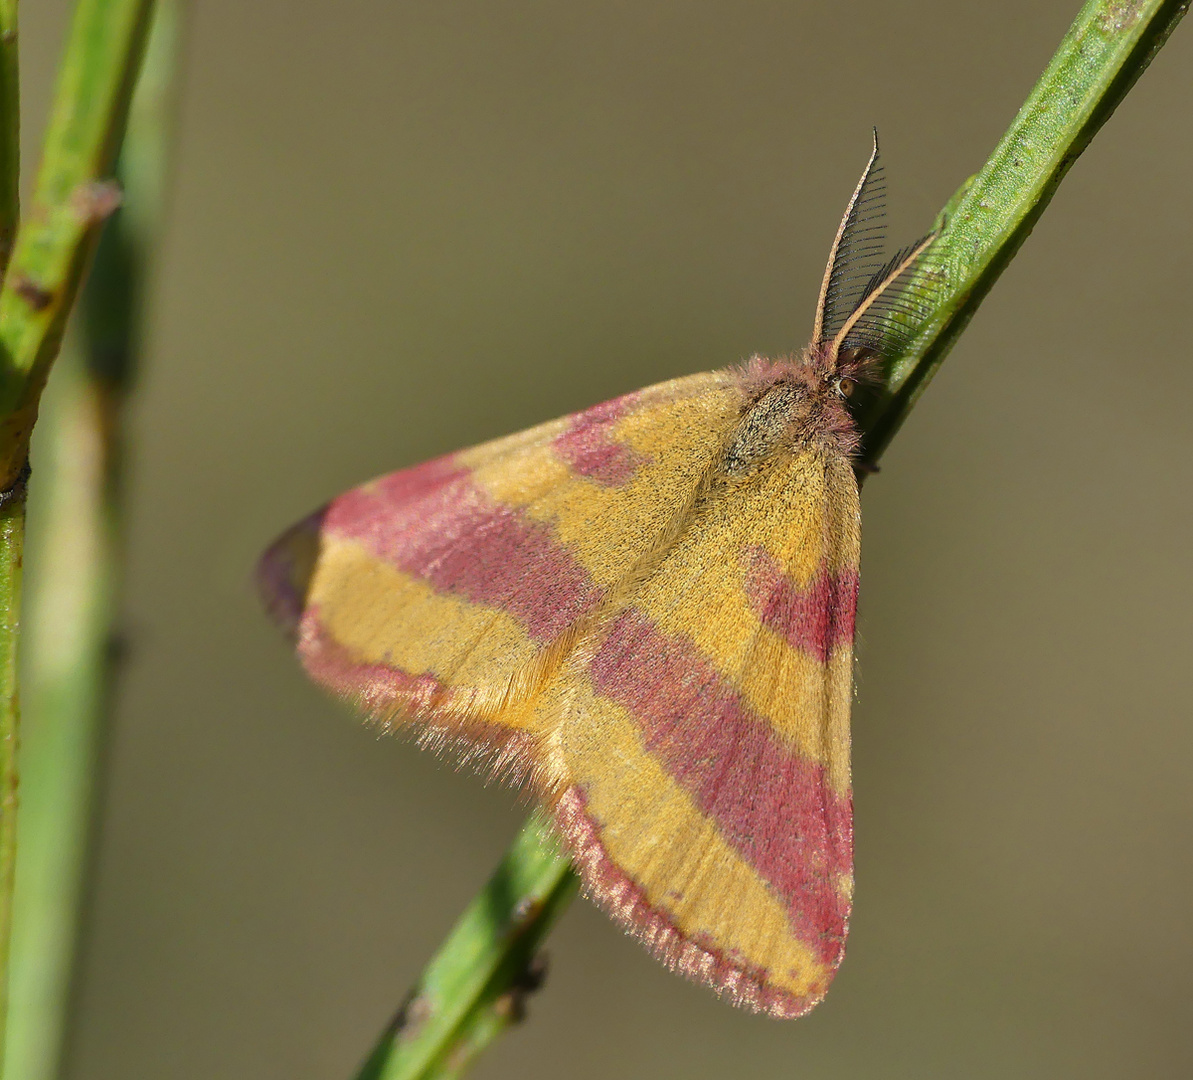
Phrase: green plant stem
[10,130]
[474,987]
[12,513]
[49,254]
[67,594]
[1105,50]
[12,543]
[76,544]
[71,199]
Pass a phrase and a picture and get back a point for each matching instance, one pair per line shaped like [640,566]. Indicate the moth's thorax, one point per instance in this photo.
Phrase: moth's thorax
[791,404]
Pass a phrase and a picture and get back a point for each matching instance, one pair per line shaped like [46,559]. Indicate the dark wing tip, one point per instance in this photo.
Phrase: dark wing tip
[285,570]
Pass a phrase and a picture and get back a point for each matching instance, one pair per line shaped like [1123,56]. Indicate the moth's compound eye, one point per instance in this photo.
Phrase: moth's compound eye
[845,387]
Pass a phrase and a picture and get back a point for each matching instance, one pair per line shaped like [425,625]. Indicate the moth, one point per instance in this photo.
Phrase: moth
[645,613]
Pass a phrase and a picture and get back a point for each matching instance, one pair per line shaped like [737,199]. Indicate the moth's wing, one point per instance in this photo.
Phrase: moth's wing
[705,741]
[436,597]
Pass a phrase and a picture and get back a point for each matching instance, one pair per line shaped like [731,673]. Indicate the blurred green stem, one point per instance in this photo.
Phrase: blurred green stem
[12,545]
[71,198]
[12,513]
[52,245]
[10,130]
[1105,50]
[76,545]
[474,988]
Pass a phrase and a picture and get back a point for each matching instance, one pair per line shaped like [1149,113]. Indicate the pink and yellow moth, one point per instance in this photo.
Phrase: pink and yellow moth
[645,613]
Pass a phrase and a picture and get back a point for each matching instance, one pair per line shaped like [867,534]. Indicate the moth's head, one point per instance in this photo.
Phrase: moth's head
[832,380]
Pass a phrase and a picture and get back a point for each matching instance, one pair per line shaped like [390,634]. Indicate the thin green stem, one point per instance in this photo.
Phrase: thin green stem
[12,513]
[71,199]
[1104,52]
[10,130]
[67,591]
[76,544]
[475,986]
[12,545]
[1106,49]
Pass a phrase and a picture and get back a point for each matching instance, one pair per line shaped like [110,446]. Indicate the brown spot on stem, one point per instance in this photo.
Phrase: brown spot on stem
[16,492]
[33,294]
[511,1005]
[408,1021]
[1120,15]
[525,911]
[15,430]
[95,201]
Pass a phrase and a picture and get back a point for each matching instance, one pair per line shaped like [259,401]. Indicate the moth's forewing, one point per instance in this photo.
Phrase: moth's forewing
[431,598]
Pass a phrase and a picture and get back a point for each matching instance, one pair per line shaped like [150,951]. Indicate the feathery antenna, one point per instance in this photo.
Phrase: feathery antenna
[857,252]
[891,290]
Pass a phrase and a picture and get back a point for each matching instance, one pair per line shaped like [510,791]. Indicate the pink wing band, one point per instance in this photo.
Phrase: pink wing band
[815,619]
[773,806]
[590,450]
[449,533]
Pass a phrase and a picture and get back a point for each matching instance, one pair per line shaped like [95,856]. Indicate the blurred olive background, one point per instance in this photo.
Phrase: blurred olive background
[397,229]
